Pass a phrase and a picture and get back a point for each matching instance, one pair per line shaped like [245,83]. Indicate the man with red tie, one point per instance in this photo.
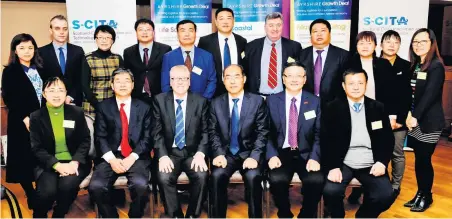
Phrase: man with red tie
[122,139]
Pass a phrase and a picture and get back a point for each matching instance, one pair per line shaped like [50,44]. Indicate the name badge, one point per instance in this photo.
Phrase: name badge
[196,70]
[68,124]
[243,54]
[422,75]
[377,125]
[400,73]
[290,60]
[309,115]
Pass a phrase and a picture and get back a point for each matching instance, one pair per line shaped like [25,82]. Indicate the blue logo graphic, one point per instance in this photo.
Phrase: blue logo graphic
[393,20]
[91,24]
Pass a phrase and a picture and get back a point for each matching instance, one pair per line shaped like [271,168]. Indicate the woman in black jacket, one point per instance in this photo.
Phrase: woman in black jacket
[426,118]
[22,94]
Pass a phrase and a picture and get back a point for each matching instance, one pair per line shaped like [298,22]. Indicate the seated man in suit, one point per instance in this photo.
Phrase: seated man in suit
[238,130]
[265,57]
[358,142]
[121,150]
[181,142]
[203,77]
[294,143]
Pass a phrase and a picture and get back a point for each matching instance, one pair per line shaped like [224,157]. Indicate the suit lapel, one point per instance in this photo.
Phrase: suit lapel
[284,55]
[154,53]
[70,54]
[53,57]
[169,105]
[115,112]
[368,114]
[258,57]
[226,113]
[136,53]
[133,116]
[68,115]
[303,101]
[216,49]
[189,110]
[244,111]
[47,122]
[330,58]
[282,111]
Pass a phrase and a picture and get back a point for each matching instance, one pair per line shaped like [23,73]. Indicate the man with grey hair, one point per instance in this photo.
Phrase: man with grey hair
[181,143]
[265,57]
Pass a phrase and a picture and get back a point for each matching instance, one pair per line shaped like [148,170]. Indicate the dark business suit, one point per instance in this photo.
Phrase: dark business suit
[331,81]
[107,131]
[253,55]
[295,161]
[252,139]
[401,68]
[134,61]
[210,44]
[336,135]
[196,140]
[72,76]
[49,186]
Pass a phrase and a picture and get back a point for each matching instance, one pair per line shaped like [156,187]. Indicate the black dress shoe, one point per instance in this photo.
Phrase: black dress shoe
[353,198]
[30,202]
[423,203]
[410,203]
[395,194]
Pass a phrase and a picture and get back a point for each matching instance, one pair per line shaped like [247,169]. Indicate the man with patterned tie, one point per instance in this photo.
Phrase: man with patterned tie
[181,143]
[122,138]
[226,47]
[294,143]
[64,60]
[357,138]
[145,59]
[265,57]
[203,78]
[238,130]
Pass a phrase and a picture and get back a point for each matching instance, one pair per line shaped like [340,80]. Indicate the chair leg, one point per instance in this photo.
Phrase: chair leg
[96,210]
[320,208]
[267,197]
[209,209]
[151,204]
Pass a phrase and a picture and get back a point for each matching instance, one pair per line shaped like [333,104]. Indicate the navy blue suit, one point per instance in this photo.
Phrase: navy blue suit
[203,84]
[292,161]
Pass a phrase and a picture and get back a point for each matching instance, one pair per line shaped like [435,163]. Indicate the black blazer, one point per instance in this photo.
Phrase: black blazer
[253,128]
[253,55]
[403,90]
[210,43]
[331,82]
[336,132]
[133,61]
[108,130]
[164,123]
[74,62]
[78,139]
[428,95]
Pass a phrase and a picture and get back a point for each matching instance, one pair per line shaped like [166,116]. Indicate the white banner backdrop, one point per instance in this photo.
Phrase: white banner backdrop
[446,48]
[85,15]
[403,16]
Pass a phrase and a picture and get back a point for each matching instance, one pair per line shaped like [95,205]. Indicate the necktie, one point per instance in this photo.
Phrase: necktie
[188,61]
[62,60]
[293,125]
[272,76]
[125,147]
[180,128]
[234,146]
[318,72]
[226,55]
[146,87]
[356,107]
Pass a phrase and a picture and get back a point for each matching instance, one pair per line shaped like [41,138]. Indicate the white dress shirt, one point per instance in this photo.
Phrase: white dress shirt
[351,102]
[288,103]
[323,54]
[184,109]
[232,48]
[239,103]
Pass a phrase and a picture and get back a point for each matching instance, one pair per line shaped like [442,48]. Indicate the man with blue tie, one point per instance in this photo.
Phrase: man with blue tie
[181,143]
[238,130]
[294,143]
[203,77]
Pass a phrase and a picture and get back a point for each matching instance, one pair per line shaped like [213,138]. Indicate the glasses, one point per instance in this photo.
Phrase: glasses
[420,43]
[235,77]
[104,38]
[184,79]
[145,30]
[122,82]
[55,91]
[295,76]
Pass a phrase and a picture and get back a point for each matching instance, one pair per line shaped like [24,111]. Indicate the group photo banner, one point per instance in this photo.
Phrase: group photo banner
[338,13]
[85,15]
[250,16]
[166,15]
[403,16]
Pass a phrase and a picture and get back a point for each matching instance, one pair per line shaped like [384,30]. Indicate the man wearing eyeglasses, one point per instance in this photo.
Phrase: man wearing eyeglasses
[294,143]
[181,143]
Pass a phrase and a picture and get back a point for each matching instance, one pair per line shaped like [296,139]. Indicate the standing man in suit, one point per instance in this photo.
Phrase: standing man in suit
[181,142]
[294,143]
[203,78]
[64,60]
[225,46]
[145,59]
[238,133]
[357,136]
[266,56]
[324,63]
[122,138]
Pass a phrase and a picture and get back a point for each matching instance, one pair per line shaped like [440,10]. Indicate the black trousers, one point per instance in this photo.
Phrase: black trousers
[220,181]
[280,178]
[423,153]
[138,183]
[50,187]
[377,193]
[168,182]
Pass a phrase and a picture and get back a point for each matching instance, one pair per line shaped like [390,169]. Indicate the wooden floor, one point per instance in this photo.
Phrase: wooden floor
[442,195]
